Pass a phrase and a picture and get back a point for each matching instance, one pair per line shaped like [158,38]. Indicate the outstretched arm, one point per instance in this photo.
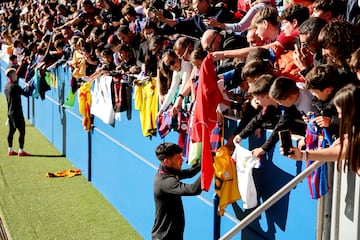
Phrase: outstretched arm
[329,154]
[168,21]
[239,53]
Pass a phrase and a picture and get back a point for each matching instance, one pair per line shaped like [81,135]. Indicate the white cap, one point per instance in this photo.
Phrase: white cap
[8,70]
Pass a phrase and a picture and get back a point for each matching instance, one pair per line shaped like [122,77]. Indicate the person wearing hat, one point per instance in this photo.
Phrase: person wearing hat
[169,212]
[16,120]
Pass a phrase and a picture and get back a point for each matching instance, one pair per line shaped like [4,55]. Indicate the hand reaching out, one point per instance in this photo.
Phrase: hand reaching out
[257,152]
[322,121]
[237,139]
[211,22]
[216,56]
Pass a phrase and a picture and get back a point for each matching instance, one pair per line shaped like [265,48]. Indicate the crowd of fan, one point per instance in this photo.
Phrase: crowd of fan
[169,40]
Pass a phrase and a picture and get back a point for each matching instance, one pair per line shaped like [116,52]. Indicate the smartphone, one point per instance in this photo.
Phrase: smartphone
[298,42]
[286,142]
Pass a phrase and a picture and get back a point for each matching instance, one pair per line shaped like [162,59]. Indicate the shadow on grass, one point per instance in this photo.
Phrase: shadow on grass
[45,156]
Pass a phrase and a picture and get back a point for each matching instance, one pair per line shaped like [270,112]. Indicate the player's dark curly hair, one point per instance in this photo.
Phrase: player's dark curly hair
[341,39]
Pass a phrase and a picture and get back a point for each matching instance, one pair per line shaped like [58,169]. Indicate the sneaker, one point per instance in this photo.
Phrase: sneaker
[12,153]
[23,154]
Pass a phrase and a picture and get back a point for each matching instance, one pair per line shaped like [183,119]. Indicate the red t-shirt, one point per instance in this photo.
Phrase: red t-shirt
[288,41]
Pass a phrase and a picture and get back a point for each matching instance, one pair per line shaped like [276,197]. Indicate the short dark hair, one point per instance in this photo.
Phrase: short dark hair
[149,25]
[321,77]
[259,54]
[59,44]
[87,3]
[256,68]
[336,7]
[123,47]
[128,9]
[167,149]
[296,11]
[107,52]
[123,29]
[12,57]
[169,53]
[312,27]
[282,88]
[261,86]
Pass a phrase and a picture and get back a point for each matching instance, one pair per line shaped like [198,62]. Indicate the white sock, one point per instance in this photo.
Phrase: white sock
[21,150]
[10,149]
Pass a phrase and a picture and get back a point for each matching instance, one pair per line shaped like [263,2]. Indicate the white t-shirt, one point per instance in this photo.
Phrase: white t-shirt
[178,81]
[304,103]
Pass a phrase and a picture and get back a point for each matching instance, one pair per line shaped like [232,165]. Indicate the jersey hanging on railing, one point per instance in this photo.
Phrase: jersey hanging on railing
[101,100]
[226,180]
[317,138]
[85,104]
[245,163]
[208,96]
[146,101]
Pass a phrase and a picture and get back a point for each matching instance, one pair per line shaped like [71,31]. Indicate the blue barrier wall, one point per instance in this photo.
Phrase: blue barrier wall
[120,163]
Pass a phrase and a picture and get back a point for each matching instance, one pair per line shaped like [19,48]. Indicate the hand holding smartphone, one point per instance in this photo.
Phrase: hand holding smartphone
[286,142]
[298,43]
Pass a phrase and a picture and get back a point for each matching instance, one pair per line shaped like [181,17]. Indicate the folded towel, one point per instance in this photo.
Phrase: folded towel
[65,173]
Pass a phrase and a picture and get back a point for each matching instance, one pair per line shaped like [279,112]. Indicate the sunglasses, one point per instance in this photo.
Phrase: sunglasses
[209,48]
[171,63]
[305,43]
[185,52]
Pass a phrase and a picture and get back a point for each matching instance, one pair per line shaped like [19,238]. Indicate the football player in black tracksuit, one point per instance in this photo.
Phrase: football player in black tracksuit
[168,189]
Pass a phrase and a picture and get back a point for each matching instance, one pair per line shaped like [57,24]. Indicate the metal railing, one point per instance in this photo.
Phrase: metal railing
[271,201]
